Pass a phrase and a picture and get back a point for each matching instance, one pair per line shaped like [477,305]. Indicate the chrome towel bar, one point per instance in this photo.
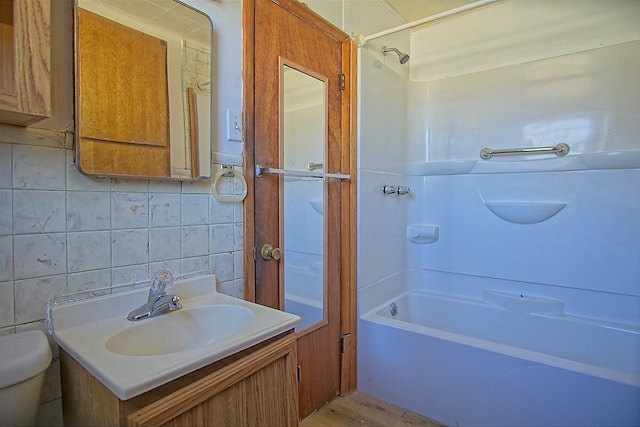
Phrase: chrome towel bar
[260,170]
[561,149]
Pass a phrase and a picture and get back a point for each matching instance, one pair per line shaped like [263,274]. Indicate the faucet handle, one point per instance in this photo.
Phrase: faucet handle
[161,281]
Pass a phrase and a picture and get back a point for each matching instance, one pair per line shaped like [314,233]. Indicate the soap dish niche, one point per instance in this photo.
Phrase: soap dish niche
[525,212]
[419,233]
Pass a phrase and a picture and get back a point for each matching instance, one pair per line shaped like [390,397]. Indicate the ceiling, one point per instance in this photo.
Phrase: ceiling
[412,10]
[170,15]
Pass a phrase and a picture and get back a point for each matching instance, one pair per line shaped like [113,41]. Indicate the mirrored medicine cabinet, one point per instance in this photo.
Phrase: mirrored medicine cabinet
[143,98]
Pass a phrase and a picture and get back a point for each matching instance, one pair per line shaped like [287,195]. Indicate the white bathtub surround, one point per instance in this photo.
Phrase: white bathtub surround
[486,348]
[526,309]
[304,294]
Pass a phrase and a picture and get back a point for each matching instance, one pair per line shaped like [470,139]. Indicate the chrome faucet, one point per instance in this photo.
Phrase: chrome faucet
[158,302]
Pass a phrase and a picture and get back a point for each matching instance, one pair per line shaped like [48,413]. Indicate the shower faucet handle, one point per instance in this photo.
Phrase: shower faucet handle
[396,189]
[403,190]
[390,189]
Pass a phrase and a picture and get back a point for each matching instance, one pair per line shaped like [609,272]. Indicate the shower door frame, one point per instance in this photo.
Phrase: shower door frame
[346,230]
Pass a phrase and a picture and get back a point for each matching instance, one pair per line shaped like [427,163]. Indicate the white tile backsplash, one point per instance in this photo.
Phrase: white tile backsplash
[5,166]
[222,266]
[164,243]
[89,280]
[88,250]
[6,212]
[165,187]
[64,232]
[195,209]
[129,210]
[174,266]
[221,213]
[38,255]
[195,241]
[129,247]
[39,211]
[88,211]
[131,274]
[6,258]
[32,296]
[238,237]
[222,238]
[38,168]
[6,304]
[238,265]
[164,209]
[192,265]
[125,185]
[199,187]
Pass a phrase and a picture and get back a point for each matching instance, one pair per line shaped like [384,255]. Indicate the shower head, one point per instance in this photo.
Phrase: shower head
[403,57]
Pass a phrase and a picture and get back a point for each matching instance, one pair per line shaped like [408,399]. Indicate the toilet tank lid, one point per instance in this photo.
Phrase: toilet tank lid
[22,356]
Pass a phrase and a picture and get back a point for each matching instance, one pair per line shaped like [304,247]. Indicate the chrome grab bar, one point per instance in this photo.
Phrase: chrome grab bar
[260,170]
[561,149]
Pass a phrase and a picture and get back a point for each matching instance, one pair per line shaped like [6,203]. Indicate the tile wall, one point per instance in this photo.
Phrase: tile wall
[62,232]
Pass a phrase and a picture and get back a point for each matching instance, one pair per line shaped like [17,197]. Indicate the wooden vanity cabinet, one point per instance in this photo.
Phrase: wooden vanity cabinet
[256,387]
[25,61]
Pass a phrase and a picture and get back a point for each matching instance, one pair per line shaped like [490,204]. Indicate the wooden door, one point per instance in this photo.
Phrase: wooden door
[283,35]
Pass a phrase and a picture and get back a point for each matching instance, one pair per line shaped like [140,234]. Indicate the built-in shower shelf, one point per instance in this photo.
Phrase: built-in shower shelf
[525,212]
[317,205]
[419,233]
[612,160]
[629,159]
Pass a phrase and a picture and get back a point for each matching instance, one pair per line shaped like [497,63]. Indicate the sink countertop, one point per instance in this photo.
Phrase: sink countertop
[82,328]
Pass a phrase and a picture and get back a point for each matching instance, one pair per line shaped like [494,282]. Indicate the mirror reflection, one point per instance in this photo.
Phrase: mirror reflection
[143,89]
[304,124]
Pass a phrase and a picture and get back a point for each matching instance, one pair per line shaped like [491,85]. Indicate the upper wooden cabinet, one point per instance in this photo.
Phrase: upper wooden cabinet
[25,61]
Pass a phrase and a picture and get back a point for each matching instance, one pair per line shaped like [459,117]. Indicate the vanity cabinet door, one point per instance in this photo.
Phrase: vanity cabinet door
[257,390]
[25,61]
[256,387]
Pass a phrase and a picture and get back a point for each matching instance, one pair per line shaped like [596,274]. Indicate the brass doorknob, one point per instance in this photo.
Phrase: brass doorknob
[269,252]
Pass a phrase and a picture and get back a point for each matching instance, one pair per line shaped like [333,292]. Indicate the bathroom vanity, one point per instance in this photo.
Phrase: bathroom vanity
[217,361]
[254,387]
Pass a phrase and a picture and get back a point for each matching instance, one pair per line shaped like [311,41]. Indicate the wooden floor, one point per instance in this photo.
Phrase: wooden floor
[361,410]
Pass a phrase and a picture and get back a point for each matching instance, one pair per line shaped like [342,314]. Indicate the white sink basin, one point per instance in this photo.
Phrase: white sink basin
[167,334]
[131,358]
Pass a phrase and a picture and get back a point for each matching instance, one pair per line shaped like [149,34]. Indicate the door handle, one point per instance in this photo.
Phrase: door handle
[269,252]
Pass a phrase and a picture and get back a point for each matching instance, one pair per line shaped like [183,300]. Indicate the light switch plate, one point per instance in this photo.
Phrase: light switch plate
[234,125]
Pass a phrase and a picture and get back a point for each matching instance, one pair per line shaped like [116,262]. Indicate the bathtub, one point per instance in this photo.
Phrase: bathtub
[499,358]
[303,295]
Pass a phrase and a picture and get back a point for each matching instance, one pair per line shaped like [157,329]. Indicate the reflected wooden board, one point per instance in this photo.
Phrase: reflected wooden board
[361,410]
[123,99]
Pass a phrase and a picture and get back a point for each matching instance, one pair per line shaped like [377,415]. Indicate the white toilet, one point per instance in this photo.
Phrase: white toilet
[24,357]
